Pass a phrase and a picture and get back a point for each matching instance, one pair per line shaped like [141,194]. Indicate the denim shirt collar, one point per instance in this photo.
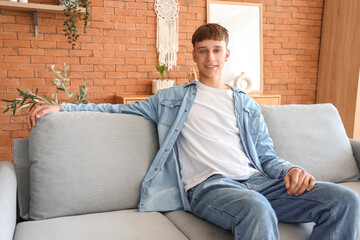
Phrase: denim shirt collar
[194,82]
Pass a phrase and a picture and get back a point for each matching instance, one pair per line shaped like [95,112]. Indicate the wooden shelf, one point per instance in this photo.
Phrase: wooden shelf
[18,6]
[261,99]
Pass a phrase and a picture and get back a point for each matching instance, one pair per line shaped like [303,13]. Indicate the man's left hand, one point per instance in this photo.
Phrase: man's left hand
[297,181]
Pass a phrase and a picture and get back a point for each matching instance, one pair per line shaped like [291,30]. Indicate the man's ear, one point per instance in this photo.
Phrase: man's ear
[227,55]
[193,54]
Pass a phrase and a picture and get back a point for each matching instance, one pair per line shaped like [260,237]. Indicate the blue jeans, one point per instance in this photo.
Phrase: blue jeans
[252,208]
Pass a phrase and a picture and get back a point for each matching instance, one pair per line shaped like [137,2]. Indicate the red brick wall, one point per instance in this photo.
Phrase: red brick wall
[118,53]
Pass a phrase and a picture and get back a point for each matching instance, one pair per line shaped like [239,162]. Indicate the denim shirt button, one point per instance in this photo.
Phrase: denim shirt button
[166,150]
[176,130]
[193,93]
[171,106]
[185,110]
[238,115]
[155,169]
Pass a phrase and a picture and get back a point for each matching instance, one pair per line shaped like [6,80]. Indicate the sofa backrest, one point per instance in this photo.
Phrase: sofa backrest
[85,162]
[313,137]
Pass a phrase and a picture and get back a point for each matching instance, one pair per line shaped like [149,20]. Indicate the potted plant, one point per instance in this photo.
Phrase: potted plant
[61,82]
[73,14]
[161,83]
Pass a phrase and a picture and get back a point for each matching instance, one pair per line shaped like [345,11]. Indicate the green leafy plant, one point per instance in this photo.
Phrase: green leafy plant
[61,82]
[72,12]
[162,70]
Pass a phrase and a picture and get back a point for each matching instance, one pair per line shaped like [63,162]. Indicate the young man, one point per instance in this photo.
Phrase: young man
[217,160]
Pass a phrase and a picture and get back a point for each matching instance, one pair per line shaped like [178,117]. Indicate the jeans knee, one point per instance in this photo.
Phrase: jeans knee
[260,221]
[261,211]
[351,201]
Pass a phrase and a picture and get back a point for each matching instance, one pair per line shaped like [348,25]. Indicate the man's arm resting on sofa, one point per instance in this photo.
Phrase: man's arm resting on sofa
[355,145]
[7,200]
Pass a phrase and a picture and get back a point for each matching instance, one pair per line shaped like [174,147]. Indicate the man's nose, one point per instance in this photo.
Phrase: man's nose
[210,56]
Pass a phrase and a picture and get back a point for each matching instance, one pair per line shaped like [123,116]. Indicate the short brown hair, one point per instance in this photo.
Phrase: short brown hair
[210,31]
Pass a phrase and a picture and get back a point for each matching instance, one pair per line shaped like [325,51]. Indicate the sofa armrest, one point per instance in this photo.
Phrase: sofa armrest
[8,186]
[355,145]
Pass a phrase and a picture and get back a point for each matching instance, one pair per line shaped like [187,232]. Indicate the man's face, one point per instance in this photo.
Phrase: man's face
[210,57]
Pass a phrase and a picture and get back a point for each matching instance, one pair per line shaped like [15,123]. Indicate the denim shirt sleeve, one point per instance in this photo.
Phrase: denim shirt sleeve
[146,108]
[273,165]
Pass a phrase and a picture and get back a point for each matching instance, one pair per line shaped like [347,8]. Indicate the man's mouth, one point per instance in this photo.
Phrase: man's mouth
[210,66]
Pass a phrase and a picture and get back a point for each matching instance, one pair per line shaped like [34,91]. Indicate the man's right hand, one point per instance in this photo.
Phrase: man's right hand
[40,111]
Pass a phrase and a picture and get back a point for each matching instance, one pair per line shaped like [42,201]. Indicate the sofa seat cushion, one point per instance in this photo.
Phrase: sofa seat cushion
[313,137]
[125,224]
[197,229]
[353,186]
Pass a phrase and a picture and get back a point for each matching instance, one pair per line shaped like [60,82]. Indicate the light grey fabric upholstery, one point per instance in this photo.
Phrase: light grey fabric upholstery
[22,168]
[352,185]
[79,166]
[7,200]
[197,229]
[295,231]
[313,137]
[355,145]
[125,224]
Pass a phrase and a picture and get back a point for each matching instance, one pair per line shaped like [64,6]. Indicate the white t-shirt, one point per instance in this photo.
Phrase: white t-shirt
[209,142]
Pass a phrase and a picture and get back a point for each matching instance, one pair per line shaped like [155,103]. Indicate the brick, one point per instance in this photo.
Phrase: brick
[137,5]
[8,51]
[43,44]
[114,4]
[103,25]
[16,43]
[134,61]
[20,133]
[9,81]
[20,74]
[102,11]
[114,89]
[16,59]
[16,27]
[94,75]
[8,35]
[104,67]
[31,51]
[7,19]
[116,74]
[103,54]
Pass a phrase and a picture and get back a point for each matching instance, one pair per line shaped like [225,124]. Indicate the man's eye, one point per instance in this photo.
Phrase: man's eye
[217,50]
[202,51]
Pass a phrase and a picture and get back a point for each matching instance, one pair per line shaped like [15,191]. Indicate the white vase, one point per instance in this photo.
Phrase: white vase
[161,84]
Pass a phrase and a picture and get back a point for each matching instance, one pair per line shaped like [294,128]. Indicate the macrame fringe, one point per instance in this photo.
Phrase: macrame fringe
[167,42]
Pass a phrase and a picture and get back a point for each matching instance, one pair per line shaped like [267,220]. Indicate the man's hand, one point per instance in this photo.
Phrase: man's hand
[298,180]
[40,111]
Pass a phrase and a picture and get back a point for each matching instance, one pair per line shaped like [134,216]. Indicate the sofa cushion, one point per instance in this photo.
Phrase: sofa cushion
[313,137]
[22,168]
[197,229]
[126,224]
[87,162]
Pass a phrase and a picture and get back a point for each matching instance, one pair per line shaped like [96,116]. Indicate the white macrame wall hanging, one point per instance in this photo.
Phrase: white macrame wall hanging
[167,40]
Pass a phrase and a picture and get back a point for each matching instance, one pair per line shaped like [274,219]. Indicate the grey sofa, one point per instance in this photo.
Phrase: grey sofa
[78,175]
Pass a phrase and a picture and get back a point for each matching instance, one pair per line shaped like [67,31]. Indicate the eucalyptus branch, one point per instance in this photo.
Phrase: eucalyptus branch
[61,82]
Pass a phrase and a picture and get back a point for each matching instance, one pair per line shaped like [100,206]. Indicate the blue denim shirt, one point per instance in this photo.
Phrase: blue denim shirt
[162,188]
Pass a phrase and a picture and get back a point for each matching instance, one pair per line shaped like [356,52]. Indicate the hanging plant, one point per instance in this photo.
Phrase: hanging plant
[72,12]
